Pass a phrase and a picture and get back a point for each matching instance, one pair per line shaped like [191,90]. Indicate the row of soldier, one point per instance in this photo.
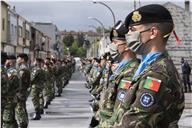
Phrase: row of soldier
[43,79]
[136,93]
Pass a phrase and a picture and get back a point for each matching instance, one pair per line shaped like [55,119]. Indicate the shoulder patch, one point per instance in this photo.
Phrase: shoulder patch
[146,100]
[124,84]
[121,95]
[152,84]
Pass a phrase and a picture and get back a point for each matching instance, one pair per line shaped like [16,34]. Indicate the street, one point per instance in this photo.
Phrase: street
[72,109]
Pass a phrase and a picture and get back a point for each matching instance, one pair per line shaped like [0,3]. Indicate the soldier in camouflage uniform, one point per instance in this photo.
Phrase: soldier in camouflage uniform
[155,97]
[4,84]
[102,66]
[9,120]
[47,91]
[59,78]
[53,74]
[37,81]
[22,95]
[125,68]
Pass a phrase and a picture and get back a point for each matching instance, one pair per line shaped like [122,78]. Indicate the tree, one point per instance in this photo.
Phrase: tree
[80,39]
[73,49]
[68,40]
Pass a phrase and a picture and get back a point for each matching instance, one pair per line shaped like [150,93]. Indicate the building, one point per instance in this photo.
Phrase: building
[40,43]
[4,26]
[12,31]
[49,29]
[24,36]
[182,19]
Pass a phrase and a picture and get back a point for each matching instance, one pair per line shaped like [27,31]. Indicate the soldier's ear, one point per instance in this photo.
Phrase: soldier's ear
[154,32]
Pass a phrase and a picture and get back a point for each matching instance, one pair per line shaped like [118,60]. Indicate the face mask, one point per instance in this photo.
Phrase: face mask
[135,44]
[113,49]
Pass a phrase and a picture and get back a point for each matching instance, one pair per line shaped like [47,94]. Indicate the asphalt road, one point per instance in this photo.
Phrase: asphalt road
[71,110]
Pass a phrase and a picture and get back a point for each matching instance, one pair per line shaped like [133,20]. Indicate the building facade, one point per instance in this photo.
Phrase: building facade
[4,24]
[182,20]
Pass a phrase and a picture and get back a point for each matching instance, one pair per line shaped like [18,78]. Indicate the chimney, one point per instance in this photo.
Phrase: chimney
[187,5]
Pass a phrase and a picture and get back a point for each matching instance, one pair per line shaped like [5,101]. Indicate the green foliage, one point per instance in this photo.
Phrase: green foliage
[68,40]
[65,50]
[77,51]
[80,39]
[75,45]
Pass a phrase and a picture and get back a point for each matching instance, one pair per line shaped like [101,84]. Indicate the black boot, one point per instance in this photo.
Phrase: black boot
[36,116]
[46,105]
[93,123]
[41,111]
[23,125]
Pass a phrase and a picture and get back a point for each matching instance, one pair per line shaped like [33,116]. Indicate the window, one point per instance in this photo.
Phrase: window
[20,31]
[3,24]
[27,34]
[12,29]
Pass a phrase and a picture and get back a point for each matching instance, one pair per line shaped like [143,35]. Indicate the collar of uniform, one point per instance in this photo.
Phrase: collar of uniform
[163,55]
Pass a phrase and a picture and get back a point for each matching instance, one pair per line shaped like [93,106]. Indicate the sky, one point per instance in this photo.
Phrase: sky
[73,14]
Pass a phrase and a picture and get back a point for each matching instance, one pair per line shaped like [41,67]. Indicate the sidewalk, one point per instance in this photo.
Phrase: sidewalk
[186,118]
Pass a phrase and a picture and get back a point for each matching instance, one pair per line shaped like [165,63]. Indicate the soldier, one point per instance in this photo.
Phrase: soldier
[59,78]
[9,120]
[124,69]
[53,74]
[47,91]
[4,84]
[37,82]
[22,95]
[186,71]
[155,98]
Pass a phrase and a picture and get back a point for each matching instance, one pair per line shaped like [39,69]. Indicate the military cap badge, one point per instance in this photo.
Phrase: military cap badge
[136,16]
[115,34]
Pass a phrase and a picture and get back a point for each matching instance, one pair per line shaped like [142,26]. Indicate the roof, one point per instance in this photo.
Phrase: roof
[170,3]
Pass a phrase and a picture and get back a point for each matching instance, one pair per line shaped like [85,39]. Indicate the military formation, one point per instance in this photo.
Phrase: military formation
[135,84]
[43,79]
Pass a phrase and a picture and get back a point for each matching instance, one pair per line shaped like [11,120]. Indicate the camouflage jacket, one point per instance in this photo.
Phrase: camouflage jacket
[111,92]
[155,98]
[4,82]
[14,83]
[37,76]
[121,91]
[24,74]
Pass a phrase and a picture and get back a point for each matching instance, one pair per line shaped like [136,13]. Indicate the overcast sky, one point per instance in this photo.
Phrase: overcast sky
[73,15]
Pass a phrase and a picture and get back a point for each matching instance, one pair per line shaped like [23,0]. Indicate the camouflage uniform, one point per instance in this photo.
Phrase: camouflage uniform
[4,89]
[59,80]
[47,91]
[158,107]
[37,81]
[122,88]
[9,120]
[21,111]
[108,104]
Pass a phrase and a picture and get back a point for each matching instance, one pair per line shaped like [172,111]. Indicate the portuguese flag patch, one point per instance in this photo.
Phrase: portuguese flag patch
[124,84]
[152,84]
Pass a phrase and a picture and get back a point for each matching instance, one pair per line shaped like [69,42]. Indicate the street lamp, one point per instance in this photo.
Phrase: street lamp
[108,8]
[93,18]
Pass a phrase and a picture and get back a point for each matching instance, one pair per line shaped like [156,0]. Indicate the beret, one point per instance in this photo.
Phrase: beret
[153,13]
[118,31]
